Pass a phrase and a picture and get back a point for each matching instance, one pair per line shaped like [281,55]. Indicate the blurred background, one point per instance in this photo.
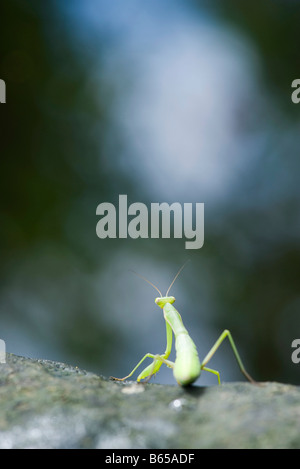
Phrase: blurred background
[165,101]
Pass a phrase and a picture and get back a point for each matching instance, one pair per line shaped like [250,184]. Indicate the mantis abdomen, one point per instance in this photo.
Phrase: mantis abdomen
[187,367]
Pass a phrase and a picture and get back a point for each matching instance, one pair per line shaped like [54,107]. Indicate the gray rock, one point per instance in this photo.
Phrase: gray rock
[45,404]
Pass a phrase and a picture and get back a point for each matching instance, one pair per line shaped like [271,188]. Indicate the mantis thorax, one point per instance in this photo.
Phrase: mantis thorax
[162,300]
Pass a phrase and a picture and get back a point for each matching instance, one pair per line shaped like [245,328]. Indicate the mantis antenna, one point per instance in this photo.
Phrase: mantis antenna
[148,281]
[177,276]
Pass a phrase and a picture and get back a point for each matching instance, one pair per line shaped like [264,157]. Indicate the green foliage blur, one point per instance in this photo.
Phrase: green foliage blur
[68,296]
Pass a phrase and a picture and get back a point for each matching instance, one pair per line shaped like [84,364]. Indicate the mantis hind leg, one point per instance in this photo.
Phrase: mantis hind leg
[215,347]
[215,372]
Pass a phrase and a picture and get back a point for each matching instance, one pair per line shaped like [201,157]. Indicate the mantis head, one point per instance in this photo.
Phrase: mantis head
[162,300]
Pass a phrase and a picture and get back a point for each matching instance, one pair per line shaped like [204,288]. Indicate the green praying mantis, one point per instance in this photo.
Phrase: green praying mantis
[187,366]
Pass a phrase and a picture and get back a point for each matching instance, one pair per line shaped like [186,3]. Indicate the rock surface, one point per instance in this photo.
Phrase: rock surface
[45,404]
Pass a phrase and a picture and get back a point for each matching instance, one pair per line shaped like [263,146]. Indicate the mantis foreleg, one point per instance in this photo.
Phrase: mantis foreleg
[148,355]
[154,367]
[158,360]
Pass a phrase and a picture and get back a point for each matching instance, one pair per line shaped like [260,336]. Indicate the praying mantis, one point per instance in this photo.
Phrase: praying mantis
[187,366]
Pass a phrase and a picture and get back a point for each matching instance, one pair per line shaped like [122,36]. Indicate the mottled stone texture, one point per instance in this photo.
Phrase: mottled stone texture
[45,404]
